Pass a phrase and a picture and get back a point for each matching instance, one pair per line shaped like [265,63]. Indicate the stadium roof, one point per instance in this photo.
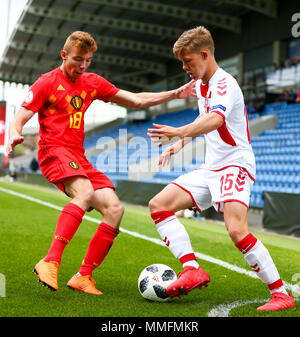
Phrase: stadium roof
[135,37]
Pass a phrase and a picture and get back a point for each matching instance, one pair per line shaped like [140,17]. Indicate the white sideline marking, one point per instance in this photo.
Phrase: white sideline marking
[293,287]
[223,310]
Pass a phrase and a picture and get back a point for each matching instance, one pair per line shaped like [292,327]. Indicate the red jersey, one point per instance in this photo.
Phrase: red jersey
[61,105]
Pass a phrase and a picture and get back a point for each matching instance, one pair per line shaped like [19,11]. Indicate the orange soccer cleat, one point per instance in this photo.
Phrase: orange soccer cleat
[84,283]
[278,302]
[188,280]
[47,273]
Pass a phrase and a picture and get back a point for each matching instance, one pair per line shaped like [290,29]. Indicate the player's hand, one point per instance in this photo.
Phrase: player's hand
[187,90]
[165,157]
[12,143]
[163,134]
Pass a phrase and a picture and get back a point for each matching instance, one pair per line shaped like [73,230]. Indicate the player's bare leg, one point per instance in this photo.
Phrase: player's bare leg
[163,207]
[80,189]
[236,220]
[108,204]
[257,256]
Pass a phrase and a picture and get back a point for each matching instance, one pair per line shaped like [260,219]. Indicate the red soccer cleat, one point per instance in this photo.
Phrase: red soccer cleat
[188,280]
[278,302]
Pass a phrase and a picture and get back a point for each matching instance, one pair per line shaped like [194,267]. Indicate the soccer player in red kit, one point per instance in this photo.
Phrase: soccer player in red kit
[61,97]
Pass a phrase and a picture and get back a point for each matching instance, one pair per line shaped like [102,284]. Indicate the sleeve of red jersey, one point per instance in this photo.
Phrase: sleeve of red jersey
[222,98]
[105,89]
[36,96]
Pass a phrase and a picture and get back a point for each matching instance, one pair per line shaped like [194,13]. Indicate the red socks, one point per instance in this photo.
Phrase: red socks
[246,243]
[67,225]
[98,248]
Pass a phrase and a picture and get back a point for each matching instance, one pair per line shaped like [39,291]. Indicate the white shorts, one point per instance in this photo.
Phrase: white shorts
[215,187]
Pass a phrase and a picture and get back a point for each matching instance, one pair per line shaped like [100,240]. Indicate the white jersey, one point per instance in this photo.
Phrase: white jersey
[230,144]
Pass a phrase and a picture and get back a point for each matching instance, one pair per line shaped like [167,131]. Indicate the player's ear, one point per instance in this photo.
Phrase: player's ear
[204,54]
[63,54]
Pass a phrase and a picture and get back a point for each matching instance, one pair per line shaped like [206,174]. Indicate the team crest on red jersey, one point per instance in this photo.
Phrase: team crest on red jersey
[77,102]
[74,165]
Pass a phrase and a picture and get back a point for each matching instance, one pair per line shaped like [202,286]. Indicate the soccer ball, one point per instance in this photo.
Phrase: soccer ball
[154,280]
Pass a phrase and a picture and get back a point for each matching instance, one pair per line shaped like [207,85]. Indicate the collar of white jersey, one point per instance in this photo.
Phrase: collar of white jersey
[214,77]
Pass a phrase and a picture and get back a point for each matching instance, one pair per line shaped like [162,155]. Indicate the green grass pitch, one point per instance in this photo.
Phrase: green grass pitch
[26,230]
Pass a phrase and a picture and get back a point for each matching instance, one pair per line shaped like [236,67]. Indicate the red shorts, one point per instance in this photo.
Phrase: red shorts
[59,163]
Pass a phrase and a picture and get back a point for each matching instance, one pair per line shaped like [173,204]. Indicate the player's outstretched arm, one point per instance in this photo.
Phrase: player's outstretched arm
[147,99]
[16,127]
[201,125]
[163,134]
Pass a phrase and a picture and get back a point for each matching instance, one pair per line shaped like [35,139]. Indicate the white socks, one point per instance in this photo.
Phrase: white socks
[255,253]
[259,259]
[175,237]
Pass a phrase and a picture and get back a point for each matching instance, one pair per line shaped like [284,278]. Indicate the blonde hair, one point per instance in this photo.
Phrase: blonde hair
[82,40]
[194,40]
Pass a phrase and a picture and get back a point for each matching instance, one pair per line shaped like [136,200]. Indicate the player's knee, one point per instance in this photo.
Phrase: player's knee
[158,204]
[236,233]
[115,212]
[88,196]
[153,205]
[120,210]
[84,198]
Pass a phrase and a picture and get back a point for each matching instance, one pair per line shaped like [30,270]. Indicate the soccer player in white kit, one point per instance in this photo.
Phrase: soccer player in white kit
[223,181]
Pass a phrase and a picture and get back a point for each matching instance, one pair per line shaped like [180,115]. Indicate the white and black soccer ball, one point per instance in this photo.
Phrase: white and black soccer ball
[154,280]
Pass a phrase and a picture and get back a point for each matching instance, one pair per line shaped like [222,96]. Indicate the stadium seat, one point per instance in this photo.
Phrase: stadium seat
[277,151]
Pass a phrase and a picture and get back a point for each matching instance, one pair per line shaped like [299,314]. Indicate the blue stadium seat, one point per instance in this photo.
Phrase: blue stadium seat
[277,151]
